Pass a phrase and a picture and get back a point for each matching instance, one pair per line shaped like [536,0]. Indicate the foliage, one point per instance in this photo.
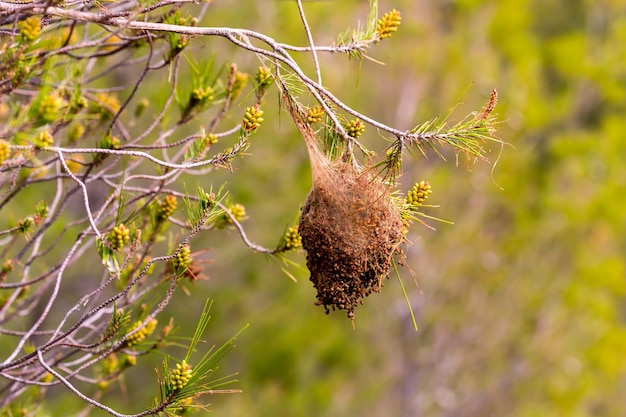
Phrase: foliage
[95,160]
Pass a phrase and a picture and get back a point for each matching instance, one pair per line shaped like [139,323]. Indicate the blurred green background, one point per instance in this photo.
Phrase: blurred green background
[520,303]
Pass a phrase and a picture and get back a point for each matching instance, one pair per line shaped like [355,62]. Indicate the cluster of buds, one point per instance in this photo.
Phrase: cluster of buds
[178,42]
[75,164]
[354,128]
[119,236]
[418,194]
[107,142]
[49,107]
[110,364]
[29,28]
[252,118]
[201,96]
[166,208]
[207,201]
[198,98]
[263,77]
[210,139]
[314,114]
[386,25]
[180,376]
[76,131]
[238,211]
[240,79]
[106,105]
[183,259]
[128,361]
[141,334]
[110,142]
[76,102]
[44,139]
[5,150]
[394,159]
[293,240]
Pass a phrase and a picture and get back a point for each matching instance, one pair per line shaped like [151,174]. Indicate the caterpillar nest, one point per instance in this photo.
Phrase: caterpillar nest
[350,227]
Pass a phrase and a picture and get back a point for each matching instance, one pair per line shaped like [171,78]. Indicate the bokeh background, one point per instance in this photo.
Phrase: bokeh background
[520,303]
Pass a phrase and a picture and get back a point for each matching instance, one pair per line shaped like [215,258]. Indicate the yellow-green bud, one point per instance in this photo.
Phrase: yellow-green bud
[76,131]
[202,95]
[47,378]
[418,194]
[183,259]
[106,104]
[386,25]
[354,128]
[240,81]
[110,142]
[151,326]
[238,211]
[109,364]
[107,142]
[263,77]
[30,28]
[119,236]
[293,240]
[102,384]
[252,118]
[166,207]
[210,139]
[180,376]
[141,106]
[5,150]
[44,139]
[141,334]
[128,361]
[75,164]
[314,114]
[207,201]
[49,107]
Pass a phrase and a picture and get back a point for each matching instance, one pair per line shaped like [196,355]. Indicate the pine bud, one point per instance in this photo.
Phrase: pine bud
[49,107]
[119,236]
[44,139]
[201,95]
[183,259]
[141,334]
[418,194]
[240,81]
[166,208]
[386,25]
[263,79]
[106,105]
[293,240]
[238,211]
[5,150]
[252,118]
[180,376]
[314,114]
[76,132]
[30,28]
[355,128]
